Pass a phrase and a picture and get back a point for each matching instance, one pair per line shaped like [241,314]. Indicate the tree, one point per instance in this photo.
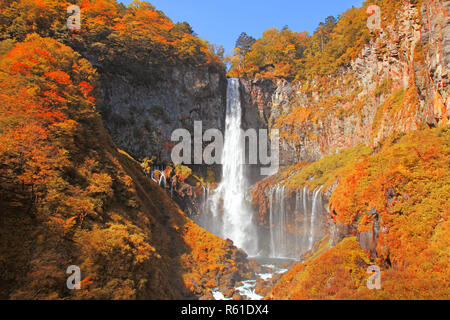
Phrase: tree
[324,31]
[181,28]
[244,43]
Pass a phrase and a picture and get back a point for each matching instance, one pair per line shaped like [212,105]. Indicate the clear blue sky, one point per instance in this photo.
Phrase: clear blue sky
[221,22]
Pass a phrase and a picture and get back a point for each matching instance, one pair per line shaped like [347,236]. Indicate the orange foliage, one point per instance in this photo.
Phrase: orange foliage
[340,274]
[408,183]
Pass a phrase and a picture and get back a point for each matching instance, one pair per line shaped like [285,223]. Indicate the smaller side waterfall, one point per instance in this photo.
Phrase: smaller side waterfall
[205,198]
[296,221]
[278,222]
[271,228]
[306,226]
[314,209]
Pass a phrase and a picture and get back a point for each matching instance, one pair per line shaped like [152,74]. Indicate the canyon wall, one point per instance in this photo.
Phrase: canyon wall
[141,116]
[398,83]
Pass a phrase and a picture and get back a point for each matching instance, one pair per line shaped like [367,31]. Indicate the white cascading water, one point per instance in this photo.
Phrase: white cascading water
[293,227]
[280,242]
[298,199]
[305,211]
[305,218]
[237,219]
[278,222]
[314,209]
[271,226]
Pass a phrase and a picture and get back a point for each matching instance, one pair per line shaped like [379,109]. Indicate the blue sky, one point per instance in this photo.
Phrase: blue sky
[221,22]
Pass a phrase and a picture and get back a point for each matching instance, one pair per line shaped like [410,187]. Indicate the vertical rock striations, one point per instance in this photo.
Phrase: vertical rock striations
[141,116]
[397,83]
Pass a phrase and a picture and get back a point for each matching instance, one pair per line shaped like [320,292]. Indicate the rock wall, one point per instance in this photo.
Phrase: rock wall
[436,37]
[141,116]
[398,83]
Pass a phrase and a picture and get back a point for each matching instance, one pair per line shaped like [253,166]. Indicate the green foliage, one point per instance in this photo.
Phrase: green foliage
[327,170]
[324,172]
[244,43]
[384,87]
[394,103]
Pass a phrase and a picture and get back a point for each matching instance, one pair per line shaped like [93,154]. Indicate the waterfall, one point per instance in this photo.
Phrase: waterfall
[281,223]
[278,222]
[305,217]
[298,198]
[205,198]
[237,219]
[271,227]
[314,208]
[295,222]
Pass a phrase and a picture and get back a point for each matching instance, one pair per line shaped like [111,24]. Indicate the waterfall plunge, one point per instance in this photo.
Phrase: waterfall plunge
[293,226]
[236,221]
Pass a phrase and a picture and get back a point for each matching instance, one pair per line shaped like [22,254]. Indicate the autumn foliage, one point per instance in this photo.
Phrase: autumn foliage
[137,38]
[70,197]
[298,55]
[339,273]
[407,183]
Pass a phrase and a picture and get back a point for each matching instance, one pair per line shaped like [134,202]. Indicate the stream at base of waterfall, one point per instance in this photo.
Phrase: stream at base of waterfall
[270,271]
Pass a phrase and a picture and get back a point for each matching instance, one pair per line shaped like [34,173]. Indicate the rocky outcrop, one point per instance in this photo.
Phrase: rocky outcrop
[368,239]
[256,102]
[141,116]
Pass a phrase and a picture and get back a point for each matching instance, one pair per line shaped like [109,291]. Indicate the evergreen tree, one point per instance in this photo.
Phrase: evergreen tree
[244,43]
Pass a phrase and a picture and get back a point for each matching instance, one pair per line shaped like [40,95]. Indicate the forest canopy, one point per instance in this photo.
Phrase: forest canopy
[298,55]
[138,38]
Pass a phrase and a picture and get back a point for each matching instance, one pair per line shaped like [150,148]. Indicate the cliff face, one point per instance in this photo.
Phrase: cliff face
[436,37]
[141,116]
[397,83]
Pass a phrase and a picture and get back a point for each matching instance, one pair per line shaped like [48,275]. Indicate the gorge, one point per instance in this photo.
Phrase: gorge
[87,179]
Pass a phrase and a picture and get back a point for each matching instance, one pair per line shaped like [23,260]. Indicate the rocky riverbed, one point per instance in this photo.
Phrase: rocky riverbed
[267,273]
